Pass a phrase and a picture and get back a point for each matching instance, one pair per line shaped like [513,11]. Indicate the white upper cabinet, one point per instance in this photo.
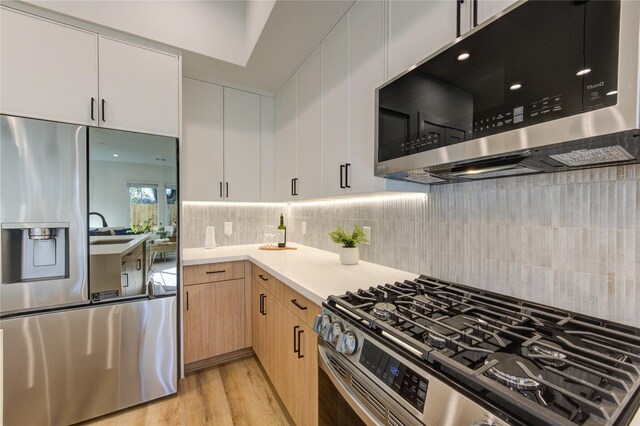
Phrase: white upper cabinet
[417,29]
[366,73]
[308,128]
[285,169]
[266,148]
[489,8]
[241,145]
[57,72]
[139,88]
[335,119]
[47,70]
[201,158]
[227,144]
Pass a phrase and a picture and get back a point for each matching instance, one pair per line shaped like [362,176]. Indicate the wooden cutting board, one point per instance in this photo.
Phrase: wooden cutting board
[276,248]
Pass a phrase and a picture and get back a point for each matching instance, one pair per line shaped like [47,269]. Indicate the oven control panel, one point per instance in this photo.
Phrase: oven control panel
[401,379]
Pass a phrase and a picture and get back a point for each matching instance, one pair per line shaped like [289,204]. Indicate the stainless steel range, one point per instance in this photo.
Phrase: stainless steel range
[438,353]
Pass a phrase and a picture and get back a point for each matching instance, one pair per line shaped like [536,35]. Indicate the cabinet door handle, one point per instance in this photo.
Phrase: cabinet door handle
[217,272]
[102,110]
[458,16]
[296,350]
[300,344]
[187,294]
[226,185]
[125,280]
[262,303]
[263,278]
[346,175]
[291,187]
[138,264]
[93,101]
[264,311]
[342,167]
[220,189]
[474,4]
[295,186]
[299,306]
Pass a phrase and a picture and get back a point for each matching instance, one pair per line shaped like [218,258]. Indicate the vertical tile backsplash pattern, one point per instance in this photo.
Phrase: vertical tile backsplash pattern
[568,239]
[248,219]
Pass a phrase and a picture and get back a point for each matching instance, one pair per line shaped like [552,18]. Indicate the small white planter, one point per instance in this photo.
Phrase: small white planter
[349,255]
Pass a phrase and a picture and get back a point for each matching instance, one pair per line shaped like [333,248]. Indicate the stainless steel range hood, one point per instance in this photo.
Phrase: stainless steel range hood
[503,112]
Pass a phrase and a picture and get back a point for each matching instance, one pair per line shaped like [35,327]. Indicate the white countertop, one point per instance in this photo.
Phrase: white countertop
[314,273]
[103,249]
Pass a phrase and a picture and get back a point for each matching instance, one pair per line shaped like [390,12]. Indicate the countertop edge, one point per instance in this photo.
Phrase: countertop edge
[295,286]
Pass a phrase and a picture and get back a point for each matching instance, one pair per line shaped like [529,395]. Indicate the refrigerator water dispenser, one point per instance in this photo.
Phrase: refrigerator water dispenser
[34,252]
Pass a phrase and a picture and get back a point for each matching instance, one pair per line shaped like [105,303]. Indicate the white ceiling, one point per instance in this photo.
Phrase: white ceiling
[294,29]
[251,44]
[223,29]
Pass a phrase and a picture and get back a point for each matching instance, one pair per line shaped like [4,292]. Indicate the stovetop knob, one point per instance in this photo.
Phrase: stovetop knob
[321,324]
[333,332]
[347,343]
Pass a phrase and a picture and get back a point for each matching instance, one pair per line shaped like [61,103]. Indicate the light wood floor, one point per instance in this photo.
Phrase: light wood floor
[234,393]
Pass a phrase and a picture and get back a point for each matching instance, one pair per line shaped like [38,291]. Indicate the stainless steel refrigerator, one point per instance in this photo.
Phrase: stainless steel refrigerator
[67,357]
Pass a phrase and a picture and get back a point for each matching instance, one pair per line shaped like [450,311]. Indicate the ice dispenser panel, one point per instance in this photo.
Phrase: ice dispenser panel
[34,252]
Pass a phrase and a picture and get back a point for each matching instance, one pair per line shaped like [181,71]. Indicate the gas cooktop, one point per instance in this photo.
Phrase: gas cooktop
[537,363]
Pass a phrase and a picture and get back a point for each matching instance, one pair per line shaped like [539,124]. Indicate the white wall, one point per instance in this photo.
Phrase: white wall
[108,187]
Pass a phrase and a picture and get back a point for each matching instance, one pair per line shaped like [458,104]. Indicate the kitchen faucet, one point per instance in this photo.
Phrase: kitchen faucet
[104,221]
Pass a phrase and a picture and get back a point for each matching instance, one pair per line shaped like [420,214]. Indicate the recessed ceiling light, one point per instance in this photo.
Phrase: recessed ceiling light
[613,92]
[515,86]
[463,56]
[583,72]
[115,155]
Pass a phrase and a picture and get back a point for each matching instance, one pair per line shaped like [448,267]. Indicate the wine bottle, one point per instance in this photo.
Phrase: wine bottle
[282,233]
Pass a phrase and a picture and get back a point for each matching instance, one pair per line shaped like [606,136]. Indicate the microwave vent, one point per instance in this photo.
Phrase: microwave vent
[420,176]
[588,157]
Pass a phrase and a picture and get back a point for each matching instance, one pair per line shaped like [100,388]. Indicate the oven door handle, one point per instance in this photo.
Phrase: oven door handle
[351,399]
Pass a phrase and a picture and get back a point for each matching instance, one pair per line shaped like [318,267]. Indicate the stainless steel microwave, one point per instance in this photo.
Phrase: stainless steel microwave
[544,86]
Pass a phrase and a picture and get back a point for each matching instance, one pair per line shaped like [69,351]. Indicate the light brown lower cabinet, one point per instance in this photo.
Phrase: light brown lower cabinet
[214,320]
[287,349]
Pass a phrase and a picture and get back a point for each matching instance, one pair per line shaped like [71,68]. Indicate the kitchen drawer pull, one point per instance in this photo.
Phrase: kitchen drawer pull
[299,306]
[102,110]
[263,278]
[217,272]
[295,338]
[187,301]
[300,344]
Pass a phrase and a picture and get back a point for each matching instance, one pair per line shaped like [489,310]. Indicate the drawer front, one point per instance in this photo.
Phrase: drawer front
[269,283]
[302,307]
[261,277]
[212,272]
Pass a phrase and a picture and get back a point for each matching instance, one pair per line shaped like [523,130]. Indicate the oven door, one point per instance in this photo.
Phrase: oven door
[348,398]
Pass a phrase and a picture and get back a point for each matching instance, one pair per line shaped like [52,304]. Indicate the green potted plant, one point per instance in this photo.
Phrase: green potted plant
[349,252]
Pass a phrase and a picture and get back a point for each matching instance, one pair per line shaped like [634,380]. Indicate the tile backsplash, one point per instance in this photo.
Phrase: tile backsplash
[569,239]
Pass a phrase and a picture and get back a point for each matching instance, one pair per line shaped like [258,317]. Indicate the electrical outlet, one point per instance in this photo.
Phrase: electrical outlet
[228,228]
[367,233]
[304,228]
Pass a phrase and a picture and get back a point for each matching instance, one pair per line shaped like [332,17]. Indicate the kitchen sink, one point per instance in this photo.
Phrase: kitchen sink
[114,241]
